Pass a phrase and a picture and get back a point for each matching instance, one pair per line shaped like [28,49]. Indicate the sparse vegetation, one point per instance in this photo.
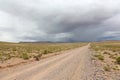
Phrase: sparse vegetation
[109,52]
[32,50]
[107,68]
[45,52]
[113,56]
[118,60]
[100,57]
[25,56]
[37,57]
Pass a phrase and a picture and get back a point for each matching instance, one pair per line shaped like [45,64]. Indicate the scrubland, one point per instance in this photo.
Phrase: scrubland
[28,51]
[107,58]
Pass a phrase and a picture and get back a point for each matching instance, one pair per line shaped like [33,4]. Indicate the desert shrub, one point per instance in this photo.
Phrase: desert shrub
[1,57]
[112,56]
[14,49]
[45,52]
[106,53]
[107,68]
[37,57]
[100,57]
[8,56]
[51,51]
[114,50]
[116,68]
[25,56]
[96,49]
[118,60]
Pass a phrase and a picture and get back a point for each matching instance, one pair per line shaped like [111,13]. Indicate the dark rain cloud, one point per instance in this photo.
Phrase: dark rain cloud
[59,20]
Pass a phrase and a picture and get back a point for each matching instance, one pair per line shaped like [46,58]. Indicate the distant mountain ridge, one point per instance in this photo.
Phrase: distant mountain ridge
[59,41]
[111,41]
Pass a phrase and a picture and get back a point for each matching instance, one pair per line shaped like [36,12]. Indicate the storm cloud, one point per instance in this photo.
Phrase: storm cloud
[59,20]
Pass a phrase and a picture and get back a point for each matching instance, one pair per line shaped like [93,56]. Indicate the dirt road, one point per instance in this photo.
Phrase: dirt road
[71,65]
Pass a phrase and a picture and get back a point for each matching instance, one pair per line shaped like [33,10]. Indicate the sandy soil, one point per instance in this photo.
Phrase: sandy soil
[72,65]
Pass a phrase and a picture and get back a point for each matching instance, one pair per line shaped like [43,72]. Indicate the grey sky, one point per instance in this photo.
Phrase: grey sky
[59,20]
